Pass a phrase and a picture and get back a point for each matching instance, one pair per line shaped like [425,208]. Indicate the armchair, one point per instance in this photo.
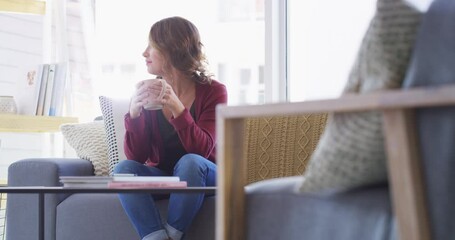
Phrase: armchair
[419,129]
[405,178]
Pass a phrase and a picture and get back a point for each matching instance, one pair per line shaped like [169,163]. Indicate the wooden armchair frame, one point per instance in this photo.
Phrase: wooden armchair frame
[405,178]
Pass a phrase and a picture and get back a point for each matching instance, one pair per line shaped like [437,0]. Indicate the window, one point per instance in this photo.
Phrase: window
[323,39]
[231,31]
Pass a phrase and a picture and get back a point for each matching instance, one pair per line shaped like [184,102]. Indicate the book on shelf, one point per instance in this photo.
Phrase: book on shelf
[48,90]
[27,89]
[58,91]
[40,89]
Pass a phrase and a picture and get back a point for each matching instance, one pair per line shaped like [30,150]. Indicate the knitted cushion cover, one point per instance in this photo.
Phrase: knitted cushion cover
[351,150]
[89,142]
[113,111]
[281,146]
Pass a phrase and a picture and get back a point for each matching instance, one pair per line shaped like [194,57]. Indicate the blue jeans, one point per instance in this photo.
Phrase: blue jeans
[140,208]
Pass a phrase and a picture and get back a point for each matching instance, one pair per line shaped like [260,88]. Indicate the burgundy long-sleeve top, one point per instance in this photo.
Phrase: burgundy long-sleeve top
[143,142]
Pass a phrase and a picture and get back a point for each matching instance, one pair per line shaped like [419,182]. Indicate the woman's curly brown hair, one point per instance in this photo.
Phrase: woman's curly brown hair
[178,40]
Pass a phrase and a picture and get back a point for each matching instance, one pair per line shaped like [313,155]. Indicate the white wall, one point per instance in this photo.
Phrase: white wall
[21,45]
[28,40]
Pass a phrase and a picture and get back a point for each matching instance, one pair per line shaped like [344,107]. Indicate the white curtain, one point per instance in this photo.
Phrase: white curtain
[69,29]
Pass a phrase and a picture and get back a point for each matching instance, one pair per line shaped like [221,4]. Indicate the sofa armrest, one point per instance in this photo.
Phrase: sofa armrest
[22,209]
[46,171]
[397,107]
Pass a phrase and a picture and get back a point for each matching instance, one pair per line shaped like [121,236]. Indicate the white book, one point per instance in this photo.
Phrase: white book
[101,181]
[58,90]
[28,88]
[49,89]
[42,92]
[85,181]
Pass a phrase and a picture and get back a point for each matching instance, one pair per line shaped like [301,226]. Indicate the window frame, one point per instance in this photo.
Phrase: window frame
[276,46]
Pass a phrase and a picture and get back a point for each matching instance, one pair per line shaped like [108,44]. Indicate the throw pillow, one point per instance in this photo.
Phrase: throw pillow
[88,140]
[113,111]
[351,150]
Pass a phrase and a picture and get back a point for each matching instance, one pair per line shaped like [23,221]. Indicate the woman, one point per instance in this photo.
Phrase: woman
[177,140]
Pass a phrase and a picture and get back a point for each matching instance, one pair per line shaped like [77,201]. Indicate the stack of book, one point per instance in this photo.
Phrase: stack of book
[122,182]
[41,89]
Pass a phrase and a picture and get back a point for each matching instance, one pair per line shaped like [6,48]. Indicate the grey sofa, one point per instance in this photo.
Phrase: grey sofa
[77,216]
[100,216]
[377,212]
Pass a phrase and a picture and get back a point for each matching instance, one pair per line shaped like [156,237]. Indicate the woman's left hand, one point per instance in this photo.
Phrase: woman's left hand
[172,102]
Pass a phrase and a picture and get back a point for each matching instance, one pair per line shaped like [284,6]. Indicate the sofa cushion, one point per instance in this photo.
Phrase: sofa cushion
[93,216]
[107,219]
[113,111]
[89,142]
[351,150]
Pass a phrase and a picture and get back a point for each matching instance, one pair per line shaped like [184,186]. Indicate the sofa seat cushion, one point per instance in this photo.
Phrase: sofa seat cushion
[275,211]
[101,216]
[93,216]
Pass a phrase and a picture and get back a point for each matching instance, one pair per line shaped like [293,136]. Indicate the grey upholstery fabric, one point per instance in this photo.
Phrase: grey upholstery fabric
[93,216]
[101,216]
[275,211]
[22,209]
[79,216]
[433,64]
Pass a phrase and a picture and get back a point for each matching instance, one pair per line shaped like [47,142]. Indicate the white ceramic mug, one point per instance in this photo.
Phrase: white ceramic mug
[156,104]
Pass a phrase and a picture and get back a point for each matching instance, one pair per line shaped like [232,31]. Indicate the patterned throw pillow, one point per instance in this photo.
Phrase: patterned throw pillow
[351,150]
[89,142]
[113,111]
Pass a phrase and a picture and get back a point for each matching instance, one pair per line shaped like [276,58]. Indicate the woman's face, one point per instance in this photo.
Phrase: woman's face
[154,60]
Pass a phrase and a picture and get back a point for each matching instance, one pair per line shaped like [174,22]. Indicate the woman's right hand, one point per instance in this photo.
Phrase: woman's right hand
[146,91]
[138,100]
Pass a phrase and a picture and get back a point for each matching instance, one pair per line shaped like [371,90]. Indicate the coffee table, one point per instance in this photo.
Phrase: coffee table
[42,190]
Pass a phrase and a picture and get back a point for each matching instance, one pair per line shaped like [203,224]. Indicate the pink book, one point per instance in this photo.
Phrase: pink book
[156,184]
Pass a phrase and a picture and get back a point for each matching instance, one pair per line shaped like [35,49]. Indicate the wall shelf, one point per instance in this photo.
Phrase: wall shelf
[26,123]
[23,6]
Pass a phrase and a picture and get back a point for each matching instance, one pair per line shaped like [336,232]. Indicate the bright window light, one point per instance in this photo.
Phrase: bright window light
[324,37]
[231,31]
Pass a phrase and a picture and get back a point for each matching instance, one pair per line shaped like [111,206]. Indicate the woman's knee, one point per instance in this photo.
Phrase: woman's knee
[126,166]
[191,161]
[196,170]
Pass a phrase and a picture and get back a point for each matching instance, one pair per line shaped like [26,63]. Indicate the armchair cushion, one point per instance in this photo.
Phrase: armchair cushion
[89,142]
[281,146]
[433,65]
[351,151]
[275,211]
